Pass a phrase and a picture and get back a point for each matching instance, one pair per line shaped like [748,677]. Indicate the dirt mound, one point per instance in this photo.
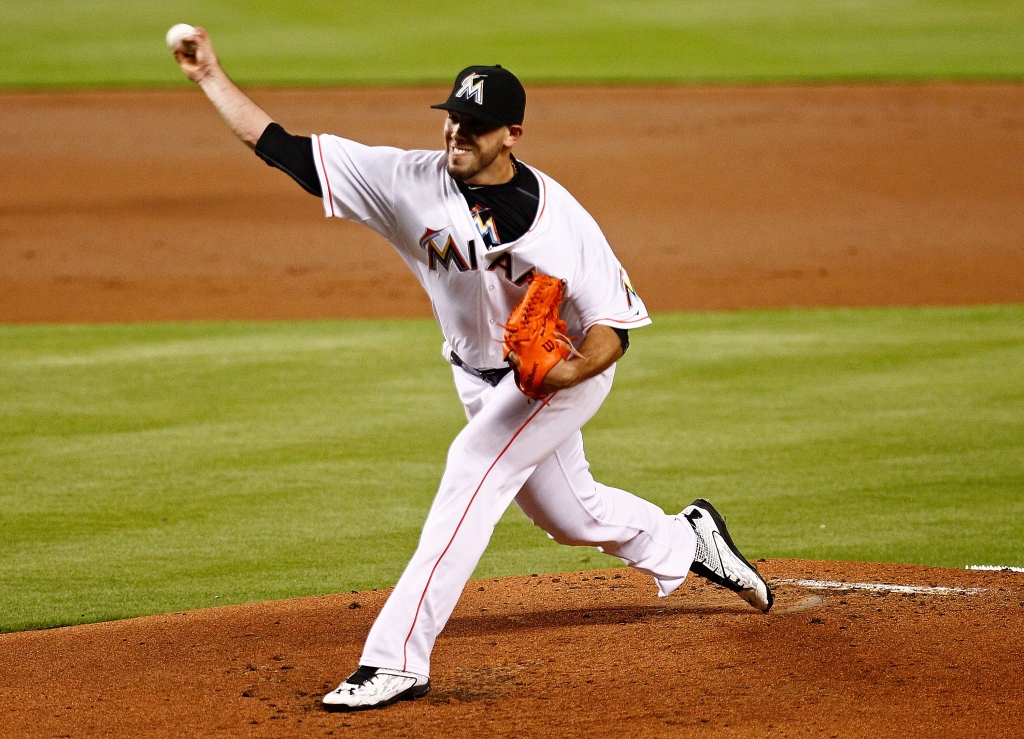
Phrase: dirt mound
[593,654]
[142,206]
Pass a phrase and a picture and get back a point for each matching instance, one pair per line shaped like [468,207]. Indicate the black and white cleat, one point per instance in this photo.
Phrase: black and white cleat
[375,687]
[718,559]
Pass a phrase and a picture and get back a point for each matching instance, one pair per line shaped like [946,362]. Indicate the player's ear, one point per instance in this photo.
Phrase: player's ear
[515,131]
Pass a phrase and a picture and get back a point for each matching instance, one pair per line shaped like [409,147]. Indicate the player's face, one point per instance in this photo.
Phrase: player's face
[474,146]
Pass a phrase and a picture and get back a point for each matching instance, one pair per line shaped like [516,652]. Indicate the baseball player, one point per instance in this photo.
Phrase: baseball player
[474,224]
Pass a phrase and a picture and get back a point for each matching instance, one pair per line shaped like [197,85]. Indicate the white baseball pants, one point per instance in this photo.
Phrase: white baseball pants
[532,452]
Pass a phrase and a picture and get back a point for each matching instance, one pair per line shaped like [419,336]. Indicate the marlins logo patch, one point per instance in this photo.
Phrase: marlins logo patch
[630,292]
[486,226]
[472,88]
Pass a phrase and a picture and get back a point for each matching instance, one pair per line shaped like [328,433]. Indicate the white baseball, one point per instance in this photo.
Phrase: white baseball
[178,32]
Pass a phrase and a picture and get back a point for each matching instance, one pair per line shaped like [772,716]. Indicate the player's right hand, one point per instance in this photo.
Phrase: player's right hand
[202,61]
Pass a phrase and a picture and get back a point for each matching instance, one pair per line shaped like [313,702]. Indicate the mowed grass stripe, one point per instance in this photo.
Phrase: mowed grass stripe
[117,43]
[163,467]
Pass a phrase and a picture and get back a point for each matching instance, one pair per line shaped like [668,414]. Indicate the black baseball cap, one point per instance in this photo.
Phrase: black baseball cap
[492,94]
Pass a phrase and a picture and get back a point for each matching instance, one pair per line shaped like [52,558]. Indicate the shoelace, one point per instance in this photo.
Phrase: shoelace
[360,677]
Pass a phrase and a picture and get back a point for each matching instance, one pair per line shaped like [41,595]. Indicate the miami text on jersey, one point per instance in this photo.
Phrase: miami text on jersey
[441,249]
[504,263]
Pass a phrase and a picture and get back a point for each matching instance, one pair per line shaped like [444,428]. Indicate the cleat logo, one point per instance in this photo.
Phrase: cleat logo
[715,554]
[472,88]
[732,567]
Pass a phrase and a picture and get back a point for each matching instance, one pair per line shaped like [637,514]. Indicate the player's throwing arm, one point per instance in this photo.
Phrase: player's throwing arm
[194,52]
[535,310]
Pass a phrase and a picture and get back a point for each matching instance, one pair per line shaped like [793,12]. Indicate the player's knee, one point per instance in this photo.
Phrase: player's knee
[569,535]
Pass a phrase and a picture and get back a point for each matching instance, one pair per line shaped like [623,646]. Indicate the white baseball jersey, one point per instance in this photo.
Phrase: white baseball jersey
[409,198]
[512,448]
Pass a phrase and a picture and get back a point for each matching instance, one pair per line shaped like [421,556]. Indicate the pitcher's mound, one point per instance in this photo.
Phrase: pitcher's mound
[848,650]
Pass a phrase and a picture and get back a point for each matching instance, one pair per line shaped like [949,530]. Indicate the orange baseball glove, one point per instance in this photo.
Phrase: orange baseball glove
[536,334]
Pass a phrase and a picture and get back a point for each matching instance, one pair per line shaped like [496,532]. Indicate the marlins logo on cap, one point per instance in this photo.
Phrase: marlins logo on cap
[504,103]
[473,88]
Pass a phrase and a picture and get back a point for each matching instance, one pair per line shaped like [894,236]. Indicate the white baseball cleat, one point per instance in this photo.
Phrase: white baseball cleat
[719,560]
[375,687]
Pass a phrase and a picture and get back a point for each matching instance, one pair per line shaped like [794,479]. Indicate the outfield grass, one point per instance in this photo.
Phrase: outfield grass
[113,42]
[154,468]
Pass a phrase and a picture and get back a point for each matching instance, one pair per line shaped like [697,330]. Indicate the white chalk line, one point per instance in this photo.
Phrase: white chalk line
[995,568]
[881,587]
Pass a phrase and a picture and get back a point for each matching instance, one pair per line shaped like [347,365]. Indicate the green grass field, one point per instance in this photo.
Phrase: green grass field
[154,468]
[105,42]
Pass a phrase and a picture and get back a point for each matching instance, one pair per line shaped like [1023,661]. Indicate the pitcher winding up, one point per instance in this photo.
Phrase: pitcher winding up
[491,239]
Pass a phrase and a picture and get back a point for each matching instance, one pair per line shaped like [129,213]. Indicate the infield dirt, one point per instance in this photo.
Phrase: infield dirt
[141,206]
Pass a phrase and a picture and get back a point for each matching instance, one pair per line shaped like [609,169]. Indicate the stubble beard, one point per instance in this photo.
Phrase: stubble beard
[481,165]
[456,175]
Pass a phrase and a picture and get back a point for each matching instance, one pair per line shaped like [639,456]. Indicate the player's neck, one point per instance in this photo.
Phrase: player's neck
[498,172]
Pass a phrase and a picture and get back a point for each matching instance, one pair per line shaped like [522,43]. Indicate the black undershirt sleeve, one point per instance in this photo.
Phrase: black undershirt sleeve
[293,155]
[623,337]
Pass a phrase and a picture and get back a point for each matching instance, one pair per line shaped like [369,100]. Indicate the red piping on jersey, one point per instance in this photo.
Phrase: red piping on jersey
[405,646]
[616,320]
[323,167]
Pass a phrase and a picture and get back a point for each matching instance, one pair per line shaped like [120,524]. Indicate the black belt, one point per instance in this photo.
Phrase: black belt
[491,376]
